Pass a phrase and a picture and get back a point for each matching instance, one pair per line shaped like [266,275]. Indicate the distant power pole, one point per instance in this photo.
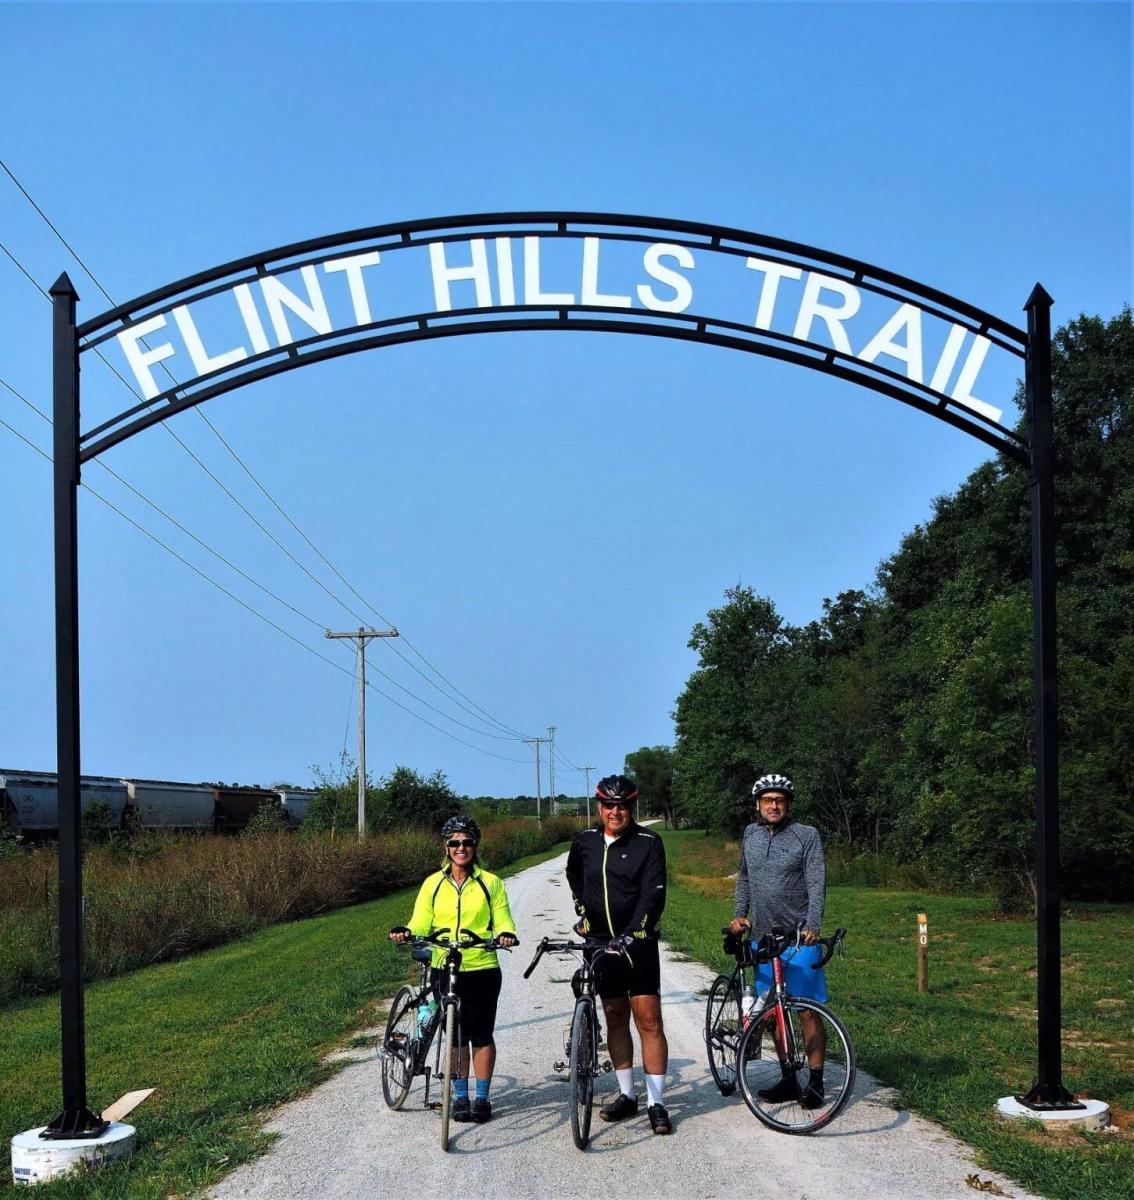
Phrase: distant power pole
[587,771]
[551,770]
[537,742]
[361,636]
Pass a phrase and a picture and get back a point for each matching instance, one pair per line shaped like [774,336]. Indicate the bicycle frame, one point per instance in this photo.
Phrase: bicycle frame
[779,997]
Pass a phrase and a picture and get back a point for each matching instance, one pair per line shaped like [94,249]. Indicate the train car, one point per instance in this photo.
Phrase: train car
[296,802]
[159,804]
[29,801]
[236,806]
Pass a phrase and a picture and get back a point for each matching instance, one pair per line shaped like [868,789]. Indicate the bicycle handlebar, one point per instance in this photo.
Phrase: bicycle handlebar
[835,941]
[466,940]
[773,943]
[547,946]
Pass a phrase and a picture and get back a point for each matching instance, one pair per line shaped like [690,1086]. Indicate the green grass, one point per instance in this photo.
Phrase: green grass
[953,1052]
[224,1036]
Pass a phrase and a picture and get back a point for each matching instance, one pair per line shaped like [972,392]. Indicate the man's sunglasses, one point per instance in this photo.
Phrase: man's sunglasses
[457,844]
[614,804]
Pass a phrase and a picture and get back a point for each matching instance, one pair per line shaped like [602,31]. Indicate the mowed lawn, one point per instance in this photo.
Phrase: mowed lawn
[224,1036]
[953,1052]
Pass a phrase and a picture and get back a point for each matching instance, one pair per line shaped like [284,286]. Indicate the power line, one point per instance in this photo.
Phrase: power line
[248,578]
[244,466]
[259,615]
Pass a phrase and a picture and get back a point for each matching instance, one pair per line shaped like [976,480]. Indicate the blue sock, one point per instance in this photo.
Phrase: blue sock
[482,1086]
[461,1087]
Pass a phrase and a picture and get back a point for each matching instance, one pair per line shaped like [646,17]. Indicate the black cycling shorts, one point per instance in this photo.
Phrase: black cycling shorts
[615,977]
[479,992]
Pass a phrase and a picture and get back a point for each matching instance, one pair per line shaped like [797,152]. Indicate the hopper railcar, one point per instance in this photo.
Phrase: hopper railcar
[29,804]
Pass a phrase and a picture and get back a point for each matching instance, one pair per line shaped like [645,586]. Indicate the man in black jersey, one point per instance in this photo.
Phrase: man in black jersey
[616,872]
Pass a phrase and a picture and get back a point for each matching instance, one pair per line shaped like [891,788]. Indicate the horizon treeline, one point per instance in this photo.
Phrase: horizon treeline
[904,714]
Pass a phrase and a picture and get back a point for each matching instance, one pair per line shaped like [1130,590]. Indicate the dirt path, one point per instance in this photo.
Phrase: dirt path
[342,1142]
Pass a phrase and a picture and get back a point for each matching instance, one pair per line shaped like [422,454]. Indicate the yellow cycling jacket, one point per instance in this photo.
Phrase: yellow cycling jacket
[480,904]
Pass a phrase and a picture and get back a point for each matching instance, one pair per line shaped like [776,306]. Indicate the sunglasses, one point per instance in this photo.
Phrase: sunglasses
[457,844]
[614,804]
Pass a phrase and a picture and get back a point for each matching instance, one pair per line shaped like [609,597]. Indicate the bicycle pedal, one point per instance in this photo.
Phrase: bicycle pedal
[559,1066]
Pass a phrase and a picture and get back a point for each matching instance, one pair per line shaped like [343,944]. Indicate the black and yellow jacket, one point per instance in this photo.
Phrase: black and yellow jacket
[619,888]
[480,904]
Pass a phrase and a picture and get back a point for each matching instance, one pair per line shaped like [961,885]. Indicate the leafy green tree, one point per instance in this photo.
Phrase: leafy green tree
[652,768]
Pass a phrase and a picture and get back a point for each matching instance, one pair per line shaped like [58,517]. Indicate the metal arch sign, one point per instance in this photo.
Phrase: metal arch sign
[312,301]
[491,273]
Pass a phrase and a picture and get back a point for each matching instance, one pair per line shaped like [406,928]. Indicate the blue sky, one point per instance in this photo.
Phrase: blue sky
[544,516]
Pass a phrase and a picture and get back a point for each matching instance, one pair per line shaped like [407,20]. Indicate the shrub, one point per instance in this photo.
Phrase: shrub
[160,897]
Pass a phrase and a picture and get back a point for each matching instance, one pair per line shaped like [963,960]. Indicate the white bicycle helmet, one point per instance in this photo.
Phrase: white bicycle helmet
[773,783]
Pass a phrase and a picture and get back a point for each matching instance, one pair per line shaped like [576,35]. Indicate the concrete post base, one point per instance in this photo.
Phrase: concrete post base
[1093,1115]
[35,1160]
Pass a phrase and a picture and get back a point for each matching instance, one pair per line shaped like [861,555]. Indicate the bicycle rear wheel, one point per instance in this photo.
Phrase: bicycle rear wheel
[399,1048]
[775,1074]
[447,1085]
[722,1032]
[582,1071]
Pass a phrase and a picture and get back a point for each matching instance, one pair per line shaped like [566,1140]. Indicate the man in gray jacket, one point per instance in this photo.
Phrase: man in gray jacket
[782,884]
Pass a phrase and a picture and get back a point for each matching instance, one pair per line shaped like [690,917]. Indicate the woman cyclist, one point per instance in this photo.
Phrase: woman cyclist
[463,896]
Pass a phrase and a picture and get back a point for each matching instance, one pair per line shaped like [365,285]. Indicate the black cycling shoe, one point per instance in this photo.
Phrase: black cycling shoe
[482,1110]
[659,1119]
[621,1107]
[787,1089]
[460,1110]
[812,1097]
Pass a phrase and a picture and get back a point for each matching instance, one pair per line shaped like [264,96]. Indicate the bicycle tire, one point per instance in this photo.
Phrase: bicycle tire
[786,1070]
[582,1071]
[722,1032]
[399,1048]
[447,1085]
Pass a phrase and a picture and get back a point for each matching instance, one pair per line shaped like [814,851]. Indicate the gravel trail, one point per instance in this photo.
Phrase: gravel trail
[341,1142]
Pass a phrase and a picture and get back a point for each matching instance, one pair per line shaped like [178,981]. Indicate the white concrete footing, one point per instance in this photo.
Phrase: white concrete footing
[1093,1115]
[36,1159]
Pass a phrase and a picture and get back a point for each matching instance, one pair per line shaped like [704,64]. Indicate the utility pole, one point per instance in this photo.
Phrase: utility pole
[587,771]
[537,742]
[361,636]
[551,770]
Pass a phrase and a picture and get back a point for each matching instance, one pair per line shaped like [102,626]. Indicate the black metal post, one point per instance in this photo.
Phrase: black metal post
[1048,1092]
[76,1120]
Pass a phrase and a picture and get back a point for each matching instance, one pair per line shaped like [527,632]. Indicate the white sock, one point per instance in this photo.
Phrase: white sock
[655,1087]
[625,1080]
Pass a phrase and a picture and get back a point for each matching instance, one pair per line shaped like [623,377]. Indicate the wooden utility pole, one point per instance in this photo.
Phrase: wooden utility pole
[587,772]
[361,636]
[537,742]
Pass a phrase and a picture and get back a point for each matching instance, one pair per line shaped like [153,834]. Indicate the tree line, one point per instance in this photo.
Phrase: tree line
[408,799]
[904,713]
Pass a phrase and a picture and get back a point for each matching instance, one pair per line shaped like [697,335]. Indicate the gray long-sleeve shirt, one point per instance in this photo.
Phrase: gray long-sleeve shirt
[782,881]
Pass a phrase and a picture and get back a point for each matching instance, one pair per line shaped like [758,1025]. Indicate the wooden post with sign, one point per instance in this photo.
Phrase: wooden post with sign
[922,953]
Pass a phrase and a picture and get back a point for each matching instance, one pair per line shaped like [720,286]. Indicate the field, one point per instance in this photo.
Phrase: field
[156,898]
[224,1036]
[952,1053]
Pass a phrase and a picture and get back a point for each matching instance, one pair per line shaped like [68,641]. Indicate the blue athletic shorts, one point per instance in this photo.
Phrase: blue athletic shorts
[800,979]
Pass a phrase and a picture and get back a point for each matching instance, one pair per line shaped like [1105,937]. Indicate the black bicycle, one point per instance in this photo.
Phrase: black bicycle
[585,1033]
[725,1018]
[405,1046]
[782,1044]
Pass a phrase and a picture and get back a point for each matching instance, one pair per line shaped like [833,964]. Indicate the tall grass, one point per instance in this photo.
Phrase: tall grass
[158,898]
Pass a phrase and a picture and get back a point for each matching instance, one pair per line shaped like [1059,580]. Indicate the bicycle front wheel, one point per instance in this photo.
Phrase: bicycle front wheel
[722,1032]
[399,1048]
[447,1085]
[582,1071]
[777,1068]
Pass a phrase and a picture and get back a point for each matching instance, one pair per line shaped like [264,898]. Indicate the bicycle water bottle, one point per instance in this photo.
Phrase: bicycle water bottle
[425,1015]
[747,1005]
